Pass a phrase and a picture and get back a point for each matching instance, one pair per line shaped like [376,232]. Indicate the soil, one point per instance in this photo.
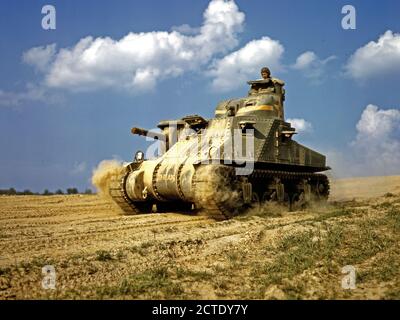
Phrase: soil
[98,253]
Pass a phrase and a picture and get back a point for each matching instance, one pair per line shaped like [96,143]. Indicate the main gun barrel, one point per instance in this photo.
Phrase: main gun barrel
[148,133]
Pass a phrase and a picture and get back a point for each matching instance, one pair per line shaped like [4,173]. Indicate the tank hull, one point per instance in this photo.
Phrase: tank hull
[214,188]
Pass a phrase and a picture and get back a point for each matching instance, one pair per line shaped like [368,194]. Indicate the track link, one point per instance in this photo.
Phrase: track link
[205,190]
[119,196]
[319,178]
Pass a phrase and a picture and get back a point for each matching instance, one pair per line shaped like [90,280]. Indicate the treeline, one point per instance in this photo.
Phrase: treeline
[46,192]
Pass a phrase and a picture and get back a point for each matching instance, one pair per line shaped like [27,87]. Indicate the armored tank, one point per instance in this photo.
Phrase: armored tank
[243,157]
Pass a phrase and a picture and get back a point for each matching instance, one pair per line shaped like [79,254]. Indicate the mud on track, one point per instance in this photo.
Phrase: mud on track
[98,253]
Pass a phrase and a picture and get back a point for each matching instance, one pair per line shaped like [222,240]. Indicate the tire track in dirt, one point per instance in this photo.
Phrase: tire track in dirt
[84,228]
[59,233]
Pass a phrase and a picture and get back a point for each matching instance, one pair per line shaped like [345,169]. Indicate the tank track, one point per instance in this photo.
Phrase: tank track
[119,196]
[292,176]
[219,211]
[213,207]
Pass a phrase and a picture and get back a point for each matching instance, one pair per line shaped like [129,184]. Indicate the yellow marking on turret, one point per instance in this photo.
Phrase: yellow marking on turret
[256,108]
[220,111]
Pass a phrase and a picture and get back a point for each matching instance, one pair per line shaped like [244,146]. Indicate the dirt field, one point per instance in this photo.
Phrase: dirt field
[272,254]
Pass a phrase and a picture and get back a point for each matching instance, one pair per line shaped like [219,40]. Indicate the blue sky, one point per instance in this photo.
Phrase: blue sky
[62,110]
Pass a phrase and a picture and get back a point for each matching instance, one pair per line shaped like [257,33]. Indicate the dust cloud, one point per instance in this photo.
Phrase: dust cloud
[214,185]
[267,209]
[104,172]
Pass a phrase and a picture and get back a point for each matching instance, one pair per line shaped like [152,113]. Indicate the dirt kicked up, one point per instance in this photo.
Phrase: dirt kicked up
[99,254]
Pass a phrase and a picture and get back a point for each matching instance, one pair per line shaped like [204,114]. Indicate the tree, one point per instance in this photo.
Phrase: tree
[72,191]
[59,191]
[88,191]
[46,192]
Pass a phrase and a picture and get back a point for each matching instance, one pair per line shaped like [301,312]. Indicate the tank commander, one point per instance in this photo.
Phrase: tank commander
[265,74]
[266,82]
[266,78]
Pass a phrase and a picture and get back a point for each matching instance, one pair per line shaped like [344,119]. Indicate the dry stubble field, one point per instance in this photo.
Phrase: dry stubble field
[272,254]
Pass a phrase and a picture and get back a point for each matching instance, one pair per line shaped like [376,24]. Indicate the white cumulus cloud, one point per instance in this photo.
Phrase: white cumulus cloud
[377,124]
[40,57]
[375,150]
[186,29]
[377,145]
[301,125]
[312,66]
[138,60]
[235,68]
[30,93]
[376,58]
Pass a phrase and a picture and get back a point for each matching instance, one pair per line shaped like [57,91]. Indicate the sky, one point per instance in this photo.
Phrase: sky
[69,95]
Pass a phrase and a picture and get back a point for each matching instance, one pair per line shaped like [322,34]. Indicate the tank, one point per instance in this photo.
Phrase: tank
[241,158]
